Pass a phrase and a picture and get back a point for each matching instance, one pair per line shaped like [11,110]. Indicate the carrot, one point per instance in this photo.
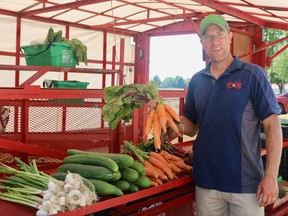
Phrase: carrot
[169,156]
[161,174]
[184,167]
[172,124]
[153,184]
[175,176]
[157,132]
[154,161]
[188,168]
[150,169]
[174,168]
[149,121]
[171,111]
[157,180]
[159,157]
[162,117]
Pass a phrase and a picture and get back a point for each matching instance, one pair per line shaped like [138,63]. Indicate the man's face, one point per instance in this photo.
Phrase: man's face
[216,43]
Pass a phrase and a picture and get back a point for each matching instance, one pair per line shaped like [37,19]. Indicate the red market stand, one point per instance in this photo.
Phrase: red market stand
[171,198]
[29,138]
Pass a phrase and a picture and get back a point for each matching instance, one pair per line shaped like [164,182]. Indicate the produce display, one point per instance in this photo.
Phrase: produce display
[36,189]
[112,174]
[86,177]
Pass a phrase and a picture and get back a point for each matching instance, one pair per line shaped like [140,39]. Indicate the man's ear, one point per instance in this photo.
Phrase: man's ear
[230,36]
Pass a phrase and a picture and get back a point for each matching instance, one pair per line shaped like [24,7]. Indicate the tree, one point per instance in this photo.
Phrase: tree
[168,82]
[157,80]
[179,82]
[278,71]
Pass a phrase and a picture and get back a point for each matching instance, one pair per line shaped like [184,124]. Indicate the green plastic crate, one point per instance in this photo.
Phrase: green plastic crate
[55,54]
[67,84]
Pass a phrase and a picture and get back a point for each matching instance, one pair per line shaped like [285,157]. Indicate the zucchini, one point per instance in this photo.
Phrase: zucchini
[90,159]
[62,177]
[104,188]
[133,188]
[129,174]
[122,184]
[143,182]
[123,160]
[138,167]
[88,171]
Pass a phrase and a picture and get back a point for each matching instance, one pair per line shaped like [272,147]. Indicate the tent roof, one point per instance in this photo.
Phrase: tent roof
[136,16]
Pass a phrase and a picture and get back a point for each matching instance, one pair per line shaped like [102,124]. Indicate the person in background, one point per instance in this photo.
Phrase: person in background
[225,106]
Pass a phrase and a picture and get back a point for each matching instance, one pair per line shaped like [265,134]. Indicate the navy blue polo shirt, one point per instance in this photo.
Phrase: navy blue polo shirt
[228,111]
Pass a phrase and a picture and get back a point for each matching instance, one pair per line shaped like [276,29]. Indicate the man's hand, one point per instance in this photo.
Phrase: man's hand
[267,191]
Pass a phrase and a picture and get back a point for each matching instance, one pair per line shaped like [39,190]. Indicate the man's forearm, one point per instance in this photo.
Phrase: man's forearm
[274,143]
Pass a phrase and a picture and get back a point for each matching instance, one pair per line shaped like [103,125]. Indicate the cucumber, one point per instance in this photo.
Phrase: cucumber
[138,167]
[90,159]
[133,188]
[59,176]
[58,36]
[104,188]
[122,184]
[50,36]
[116,177]
[62,177]
[88,171]
[123,160]
[129,174]
[143,182]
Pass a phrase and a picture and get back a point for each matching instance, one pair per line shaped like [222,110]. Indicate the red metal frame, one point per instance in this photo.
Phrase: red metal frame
[176,193]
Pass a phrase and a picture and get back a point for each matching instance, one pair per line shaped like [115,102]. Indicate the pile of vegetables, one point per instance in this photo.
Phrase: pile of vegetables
[159,167]
[36,189]
[77,46]
[111,174]
[122,100]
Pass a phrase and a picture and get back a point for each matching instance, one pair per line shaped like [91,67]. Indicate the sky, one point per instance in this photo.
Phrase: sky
[178,55]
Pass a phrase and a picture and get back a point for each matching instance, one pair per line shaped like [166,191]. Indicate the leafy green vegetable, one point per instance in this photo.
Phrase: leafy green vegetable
[77,46]
[122,100]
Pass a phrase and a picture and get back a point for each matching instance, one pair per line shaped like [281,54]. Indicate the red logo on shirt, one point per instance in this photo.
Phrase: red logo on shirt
[236,85]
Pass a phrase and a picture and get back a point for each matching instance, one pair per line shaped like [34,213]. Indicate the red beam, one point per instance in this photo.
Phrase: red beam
[144,21]
[71,5]
[231,11]
[30,149]
[270,58]
[263,47]
[35,92]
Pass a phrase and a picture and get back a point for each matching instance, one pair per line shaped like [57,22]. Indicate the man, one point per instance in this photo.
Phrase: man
[225,105]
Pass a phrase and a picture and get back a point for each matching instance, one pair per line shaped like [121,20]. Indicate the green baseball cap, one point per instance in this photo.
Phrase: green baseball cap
[213,19]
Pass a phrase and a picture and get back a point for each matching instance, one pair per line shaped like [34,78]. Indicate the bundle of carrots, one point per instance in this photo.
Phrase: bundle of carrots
[159,167]
[163,167]
[159,119]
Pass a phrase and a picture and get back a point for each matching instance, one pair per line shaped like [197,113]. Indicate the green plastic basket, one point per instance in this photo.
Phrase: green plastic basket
[55,54]
[67,84]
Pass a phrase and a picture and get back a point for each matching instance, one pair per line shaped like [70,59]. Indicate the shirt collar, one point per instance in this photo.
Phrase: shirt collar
[235,65]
